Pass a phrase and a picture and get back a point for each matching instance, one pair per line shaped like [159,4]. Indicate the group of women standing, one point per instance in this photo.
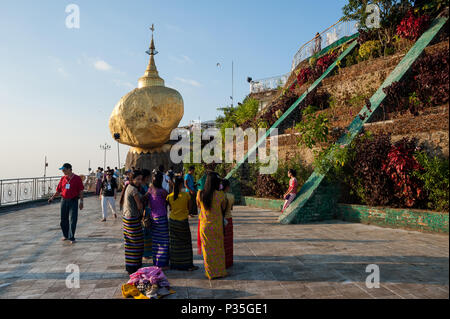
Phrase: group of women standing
[149,231]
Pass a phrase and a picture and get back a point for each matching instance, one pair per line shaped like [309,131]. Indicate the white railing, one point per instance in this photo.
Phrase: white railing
[324,39]
[268,84]
[20,190]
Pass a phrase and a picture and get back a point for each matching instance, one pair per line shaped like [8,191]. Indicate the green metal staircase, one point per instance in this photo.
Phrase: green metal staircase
[291,109]
[317,198]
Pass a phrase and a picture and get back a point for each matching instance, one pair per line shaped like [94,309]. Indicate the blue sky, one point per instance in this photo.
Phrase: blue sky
[58,86]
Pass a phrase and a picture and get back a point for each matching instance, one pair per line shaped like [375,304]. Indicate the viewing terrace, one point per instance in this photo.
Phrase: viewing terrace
[319,260]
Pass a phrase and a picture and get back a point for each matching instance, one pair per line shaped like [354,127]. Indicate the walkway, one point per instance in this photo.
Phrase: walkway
[323,260]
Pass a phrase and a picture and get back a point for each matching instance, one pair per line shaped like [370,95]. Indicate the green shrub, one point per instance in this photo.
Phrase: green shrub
[375,172]
[333,161]
[332,102]
[246,110]
[200,169]
[358,167]
[313,127]
[435,177]
[370,49]
[389,50]
[263,124]
[357,100]
[296,163]
[236,116]
[391,13]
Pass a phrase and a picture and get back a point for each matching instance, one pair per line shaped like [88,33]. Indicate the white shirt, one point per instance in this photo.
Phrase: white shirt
[165,182]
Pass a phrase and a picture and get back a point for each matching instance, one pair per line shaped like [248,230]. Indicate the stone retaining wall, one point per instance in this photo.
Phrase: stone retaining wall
[363,79]
[395,218]
[414,219]
[265,203]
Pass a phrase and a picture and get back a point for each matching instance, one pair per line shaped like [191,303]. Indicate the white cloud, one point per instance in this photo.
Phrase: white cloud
[97,63]
[59,66]
[188,81]
[102,65]
[187,59]
[182,59]
[62,71]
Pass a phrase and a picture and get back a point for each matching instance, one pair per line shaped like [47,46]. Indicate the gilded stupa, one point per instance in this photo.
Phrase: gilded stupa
[145,117]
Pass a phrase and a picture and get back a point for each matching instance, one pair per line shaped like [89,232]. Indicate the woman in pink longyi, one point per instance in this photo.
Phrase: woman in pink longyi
[291,193]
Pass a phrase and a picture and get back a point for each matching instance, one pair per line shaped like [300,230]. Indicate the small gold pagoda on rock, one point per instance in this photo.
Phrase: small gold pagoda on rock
[145,117]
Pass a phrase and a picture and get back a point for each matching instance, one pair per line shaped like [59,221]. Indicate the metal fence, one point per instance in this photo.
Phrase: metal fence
[20,190]
[267,84]
[326,38]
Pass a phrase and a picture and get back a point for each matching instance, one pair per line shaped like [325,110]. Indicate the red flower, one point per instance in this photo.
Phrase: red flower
[304,76]
[399,165]
[412,27]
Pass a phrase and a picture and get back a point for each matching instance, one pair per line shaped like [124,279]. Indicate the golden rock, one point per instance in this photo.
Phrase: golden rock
[146,116]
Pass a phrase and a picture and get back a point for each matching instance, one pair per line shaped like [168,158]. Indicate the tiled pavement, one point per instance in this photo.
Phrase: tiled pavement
[323,260]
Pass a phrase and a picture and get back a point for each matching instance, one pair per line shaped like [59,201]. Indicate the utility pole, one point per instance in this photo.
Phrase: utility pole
[105,148]
[45,167]
[117,138]
[45,173]
[232,83]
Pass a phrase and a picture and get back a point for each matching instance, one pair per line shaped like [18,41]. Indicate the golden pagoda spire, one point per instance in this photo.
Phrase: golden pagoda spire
[151,76]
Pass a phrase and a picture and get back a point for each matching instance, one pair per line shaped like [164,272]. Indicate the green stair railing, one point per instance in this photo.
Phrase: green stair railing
[316,199]
[291,109]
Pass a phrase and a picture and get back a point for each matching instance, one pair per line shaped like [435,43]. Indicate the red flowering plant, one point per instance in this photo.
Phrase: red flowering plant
[311,74]
[426,85]
[324,62]
[399,166]
[304,76]
[412,27]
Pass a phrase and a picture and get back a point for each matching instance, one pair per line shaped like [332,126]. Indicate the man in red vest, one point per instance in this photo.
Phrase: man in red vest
[71,189]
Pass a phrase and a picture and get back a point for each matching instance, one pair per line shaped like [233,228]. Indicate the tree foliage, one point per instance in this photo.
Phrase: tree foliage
[236,116]
[391,13]
[313,127]
[435,178]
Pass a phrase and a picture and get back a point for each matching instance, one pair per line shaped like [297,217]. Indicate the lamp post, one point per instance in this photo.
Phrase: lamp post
[105,148]
[45,167]
[117,138]
[45,172]
[232,83]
